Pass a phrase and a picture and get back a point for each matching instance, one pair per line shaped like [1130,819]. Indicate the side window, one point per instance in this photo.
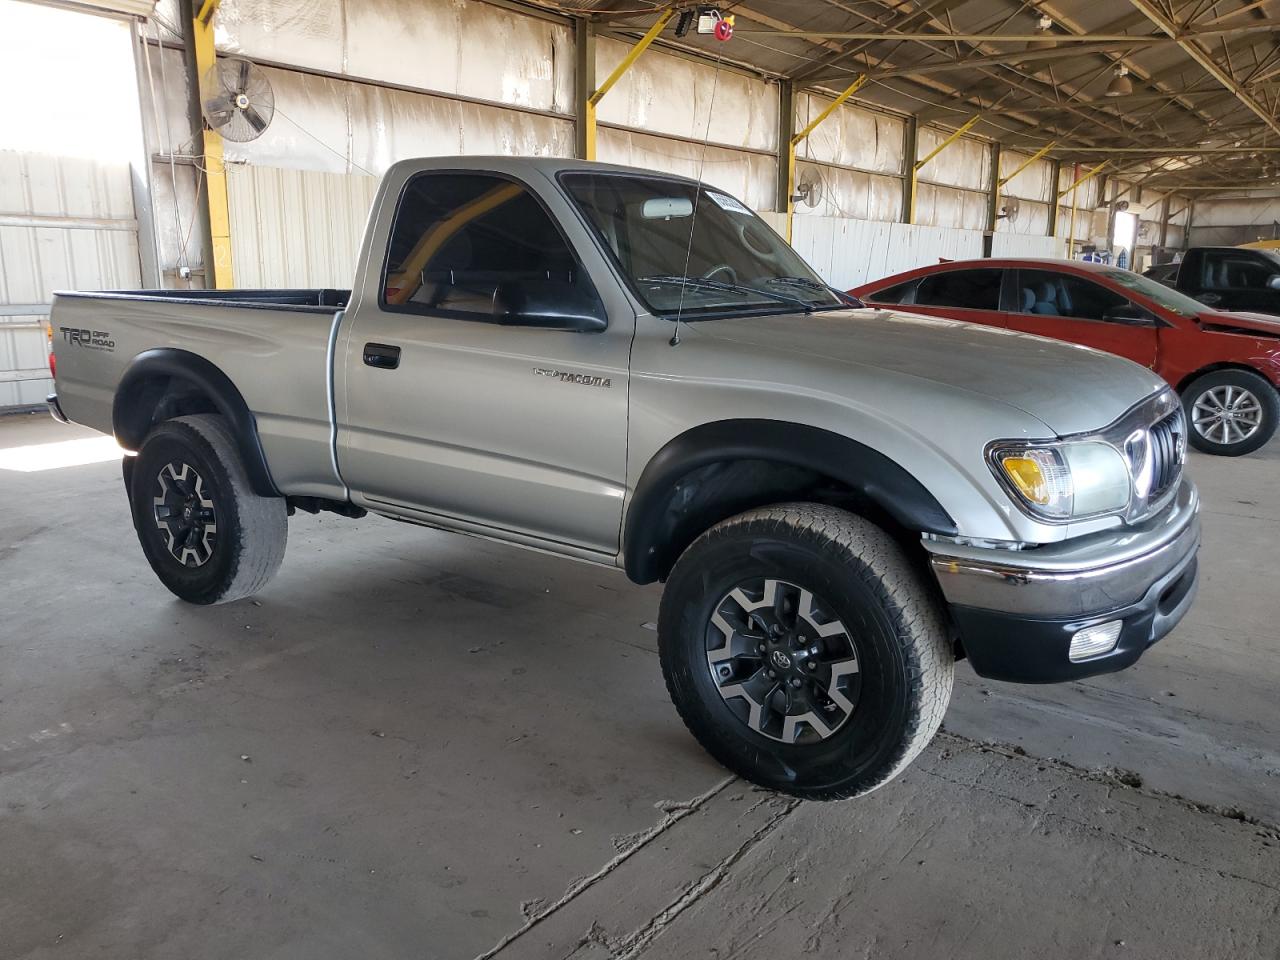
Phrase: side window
[1225,271]
[479,247]
[895,294]
[970,289]
[1065,295]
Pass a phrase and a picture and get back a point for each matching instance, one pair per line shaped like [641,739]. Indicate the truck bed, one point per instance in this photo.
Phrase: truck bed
[273,345]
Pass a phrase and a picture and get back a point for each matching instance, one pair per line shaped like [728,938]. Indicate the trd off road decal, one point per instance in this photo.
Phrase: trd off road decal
[92,339]
[581,378]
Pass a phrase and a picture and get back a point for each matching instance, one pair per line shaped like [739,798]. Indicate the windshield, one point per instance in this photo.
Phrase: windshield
[669,237]
[1167,297]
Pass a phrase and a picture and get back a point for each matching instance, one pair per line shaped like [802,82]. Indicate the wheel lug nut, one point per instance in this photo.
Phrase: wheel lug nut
[725,672]
[811,665]
[770,674]
[760,648]
[795,681]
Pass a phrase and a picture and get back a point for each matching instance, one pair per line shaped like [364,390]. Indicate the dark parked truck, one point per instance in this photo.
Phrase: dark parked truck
[632,370]
[1227,278]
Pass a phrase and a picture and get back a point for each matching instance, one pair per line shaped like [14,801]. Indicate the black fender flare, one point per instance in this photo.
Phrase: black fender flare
[131,421]
[649,527]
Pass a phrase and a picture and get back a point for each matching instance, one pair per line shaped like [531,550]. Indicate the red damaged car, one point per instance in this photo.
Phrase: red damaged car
[1225,366]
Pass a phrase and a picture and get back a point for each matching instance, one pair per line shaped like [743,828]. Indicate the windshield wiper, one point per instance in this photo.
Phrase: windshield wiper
[810,284]
[705,283]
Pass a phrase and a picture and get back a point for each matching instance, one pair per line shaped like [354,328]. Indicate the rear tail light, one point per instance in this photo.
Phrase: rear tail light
[53,360]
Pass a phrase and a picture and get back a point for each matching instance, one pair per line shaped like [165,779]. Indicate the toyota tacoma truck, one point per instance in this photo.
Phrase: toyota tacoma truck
[633,370]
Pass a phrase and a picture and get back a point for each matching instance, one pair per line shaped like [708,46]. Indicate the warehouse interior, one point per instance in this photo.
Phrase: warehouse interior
[419,744]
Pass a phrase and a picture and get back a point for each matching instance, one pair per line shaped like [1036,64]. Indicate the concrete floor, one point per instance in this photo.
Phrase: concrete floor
[419,745]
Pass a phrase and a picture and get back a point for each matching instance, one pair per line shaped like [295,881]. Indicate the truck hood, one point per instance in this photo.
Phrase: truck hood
[1249,324]
[1069,388]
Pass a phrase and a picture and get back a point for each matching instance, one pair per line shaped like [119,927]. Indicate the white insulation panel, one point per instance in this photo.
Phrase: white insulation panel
[965,163]
[443,47]
[337,126]
[842,192]
[296,228]
[663,93]
[851,136]
[67,224]
[1033,182]
[748,176]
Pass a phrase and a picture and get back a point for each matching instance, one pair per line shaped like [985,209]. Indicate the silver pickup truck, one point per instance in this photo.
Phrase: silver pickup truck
[633,370]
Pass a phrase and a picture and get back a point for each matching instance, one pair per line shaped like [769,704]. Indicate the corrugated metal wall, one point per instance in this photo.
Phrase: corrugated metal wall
[65,224]
[296,228]
[848,252]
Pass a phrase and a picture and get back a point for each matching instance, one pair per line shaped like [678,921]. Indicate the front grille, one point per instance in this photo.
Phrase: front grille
[1167,451]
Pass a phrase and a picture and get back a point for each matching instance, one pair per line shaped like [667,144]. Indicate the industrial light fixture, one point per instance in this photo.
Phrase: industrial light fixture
[1044,28]
[1120,85]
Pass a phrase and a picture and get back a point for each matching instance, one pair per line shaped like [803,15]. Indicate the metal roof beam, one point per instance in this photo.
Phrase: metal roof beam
[1141,39]
[1200,56]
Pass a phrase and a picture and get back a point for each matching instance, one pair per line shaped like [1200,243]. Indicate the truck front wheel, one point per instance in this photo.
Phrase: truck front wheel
[804,651]
[207,535]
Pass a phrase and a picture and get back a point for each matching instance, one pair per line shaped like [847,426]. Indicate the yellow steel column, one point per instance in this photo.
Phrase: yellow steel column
[796,140]
[589,108]
[1073,190]
[215,174]
[919,164]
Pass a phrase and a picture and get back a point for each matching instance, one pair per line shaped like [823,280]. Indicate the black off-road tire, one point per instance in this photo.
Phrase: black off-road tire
[895,620]
[1216,384]
[246,548]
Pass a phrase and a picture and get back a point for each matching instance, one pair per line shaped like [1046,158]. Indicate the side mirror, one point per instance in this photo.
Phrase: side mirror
[1273,282]
[550,305]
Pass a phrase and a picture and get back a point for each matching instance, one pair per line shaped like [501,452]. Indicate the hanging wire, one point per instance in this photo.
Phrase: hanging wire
[697,196]
[344,157]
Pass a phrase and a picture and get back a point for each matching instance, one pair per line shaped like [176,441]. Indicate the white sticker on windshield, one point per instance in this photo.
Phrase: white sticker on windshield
[726,202]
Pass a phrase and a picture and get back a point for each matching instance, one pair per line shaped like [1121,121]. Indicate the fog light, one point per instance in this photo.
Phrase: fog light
[1095,641]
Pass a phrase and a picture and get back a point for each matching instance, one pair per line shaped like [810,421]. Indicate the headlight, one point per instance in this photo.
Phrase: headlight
[1063,481]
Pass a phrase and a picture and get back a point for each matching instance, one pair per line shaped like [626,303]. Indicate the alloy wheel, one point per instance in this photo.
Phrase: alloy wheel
[1226,414]
[185,515]
[786,667]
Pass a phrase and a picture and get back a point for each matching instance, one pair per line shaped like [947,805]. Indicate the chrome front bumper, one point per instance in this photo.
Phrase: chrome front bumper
[1016,611]
[1075,578]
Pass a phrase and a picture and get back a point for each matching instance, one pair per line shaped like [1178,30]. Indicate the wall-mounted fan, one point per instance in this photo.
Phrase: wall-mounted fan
[1010,207]
[808,192]
[236,98]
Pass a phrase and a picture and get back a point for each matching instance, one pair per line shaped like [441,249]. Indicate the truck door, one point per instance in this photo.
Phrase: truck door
[484,379]
[1068,307]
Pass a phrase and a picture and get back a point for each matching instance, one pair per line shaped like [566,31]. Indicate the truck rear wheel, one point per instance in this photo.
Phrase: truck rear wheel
[804,651]
[207,535]
[1230,412]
